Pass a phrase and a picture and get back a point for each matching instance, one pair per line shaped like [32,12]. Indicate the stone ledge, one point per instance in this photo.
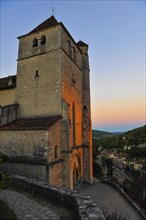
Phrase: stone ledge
[82,204]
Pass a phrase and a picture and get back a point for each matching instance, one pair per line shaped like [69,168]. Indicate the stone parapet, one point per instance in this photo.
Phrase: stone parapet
[82,204]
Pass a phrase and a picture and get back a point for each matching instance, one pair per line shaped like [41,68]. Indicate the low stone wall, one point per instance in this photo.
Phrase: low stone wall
[134,205]
[36,171]
[82,205]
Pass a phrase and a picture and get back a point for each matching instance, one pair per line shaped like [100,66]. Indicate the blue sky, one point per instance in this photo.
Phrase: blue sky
[115,32]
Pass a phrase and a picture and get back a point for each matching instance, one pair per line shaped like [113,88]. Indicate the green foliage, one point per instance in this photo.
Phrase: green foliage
[137,152]
[132,138]
[144,165]
[96,170]
[109,164]
[4,178]
[137,135]
[2,157]
[5,212]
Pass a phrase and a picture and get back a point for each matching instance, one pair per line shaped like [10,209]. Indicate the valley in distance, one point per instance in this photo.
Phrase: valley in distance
[121,158]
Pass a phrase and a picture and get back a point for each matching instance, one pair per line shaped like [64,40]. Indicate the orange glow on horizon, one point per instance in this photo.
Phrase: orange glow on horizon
[120,112]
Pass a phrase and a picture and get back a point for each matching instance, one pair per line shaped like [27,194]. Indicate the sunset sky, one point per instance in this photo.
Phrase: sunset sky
[115,32]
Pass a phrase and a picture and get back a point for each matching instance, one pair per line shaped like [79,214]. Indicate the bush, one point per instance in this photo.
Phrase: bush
[96,170]
[4,178]
[5,212]
[112,215]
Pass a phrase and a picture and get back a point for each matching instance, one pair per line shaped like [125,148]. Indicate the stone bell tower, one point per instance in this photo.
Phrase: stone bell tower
[53,80]
[39,71]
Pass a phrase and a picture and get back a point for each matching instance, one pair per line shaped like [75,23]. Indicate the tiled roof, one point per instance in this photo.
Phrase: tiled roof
[81,43]
[47,23]
[31,123]
[8,82]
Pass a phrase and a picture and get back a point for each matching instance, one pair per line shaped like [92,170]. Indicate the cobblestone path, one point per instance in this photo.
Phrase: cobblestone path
[29,209]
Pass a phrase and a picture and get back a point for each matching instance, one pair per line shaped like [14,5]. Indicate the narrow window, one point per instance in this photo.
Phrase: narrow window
[74,123]
[74,54]
[73,80]
[43,40]
[85,107]
[56,152]
[36,74]
[35,42]
[69,48]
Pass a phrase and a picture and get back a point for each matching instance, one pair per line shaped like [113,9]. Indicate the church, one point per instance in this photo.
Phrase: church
[45,115]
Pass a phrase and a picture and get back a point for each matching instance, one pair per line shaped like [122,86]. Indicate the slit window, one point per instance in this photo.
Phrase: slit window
[36,74]
[56,152]
[85,107]
[35,42]
[43,40]
[74,123]
[69,47]
[74,53]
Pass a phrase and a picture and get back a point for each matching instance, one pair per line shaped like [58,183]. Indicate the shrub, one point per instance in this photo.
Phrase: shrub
[112,215]
[4,178]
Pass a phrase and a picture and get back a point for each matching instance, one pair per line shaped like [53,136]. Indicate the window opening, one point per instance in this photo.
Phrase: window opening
[43,40]
[36,73]
[74,53]
[35,42]
[56,152]
[74,123]
[73,80]
[85,107]
[69,47]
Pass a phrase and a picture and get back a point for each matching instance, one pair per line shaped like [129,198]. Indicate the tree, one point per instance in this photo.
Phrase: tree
[4,178]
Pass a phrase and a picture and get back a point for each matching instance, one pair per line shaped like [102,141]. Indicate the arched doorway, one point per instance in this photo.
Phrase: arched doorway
[76,169]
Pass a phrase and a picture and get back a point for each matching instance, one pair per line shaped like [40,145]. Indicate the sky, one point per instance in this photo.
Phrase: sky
[116,34]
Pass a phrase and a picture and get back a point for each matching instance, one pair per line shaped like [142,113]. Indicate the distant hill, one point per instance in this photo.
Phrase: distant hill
[138,135]
[109,140]
[117,133]
[96,134]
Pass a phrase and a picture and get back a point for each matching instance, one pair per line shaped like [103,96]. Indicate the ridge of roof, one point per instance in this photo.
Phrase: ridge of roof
[45,24]
[81,43]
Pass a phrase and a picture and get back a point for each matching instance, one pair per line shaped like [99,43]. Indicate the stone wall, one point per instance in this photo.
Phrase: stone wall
[55,174]
[86,121]
[31,143]
[54,142]
[39,75]
[72,105]
[83,206]
[76,93]
[27,152]
[7,96]
[35,171]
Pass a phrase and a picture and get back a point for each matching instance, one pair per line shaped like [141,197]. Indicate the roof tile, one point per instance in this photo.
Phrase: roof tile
[31,123]
[47,23]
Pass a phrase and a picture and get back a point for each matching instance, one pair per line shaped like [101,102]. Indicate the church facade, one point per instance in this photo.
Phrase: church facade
[45,109]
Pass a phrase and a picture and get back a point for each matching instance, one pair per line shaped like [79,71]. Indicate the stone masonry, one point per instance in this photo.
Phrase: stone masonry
[52,130]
